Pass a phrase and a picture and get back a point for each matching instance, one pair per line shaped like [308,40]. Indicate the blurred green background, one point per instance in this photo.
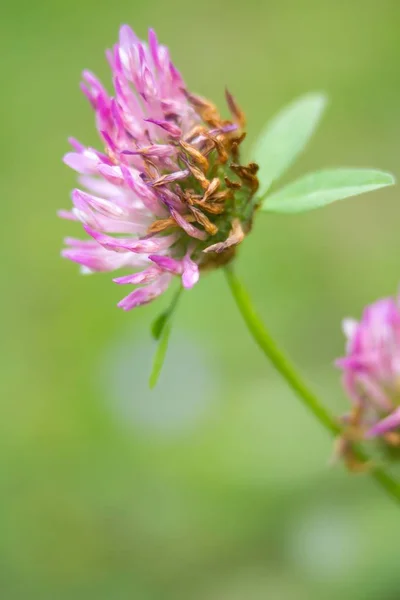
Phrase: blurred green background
[214,486]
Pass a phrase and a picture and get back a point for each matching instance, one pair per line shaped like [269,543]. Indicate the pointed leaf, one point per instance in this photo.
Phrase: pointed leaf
[159,323]
[324,187]
[285,137]
[159,356]
[161,330]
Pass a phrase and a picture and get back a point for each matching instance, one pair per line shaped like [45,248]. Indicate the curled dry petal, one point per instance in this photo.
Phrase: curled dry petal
[235,237]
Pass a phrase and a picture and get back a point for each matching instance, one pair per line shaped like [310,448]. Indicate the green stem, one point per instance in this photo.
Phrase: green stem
[295,381]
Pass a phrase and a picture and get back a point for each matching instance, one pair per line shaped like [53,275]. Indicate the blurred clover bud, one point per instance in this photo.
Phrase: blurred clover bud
[371,375]
[169,183]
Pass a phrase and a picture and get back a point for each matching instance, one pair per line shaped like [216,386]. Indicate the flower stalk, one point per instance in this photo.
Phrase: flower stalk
[296,383]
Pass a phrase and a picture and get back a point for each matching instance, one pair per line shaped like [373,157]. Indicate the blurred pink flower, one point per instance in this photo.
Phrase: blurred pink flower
[371,371]
[168,184]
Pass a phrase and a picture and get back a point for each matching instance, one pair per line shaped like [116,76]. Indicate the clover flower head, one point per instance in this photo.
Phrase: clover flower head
[371,371]
[167,196]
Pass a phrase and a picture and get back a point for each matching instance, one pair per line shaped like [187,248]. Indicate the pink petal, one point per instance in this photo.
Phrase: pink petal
[148,245]
[85,163]
[113,174]
[145,276]
[388,424]
[167,263]
[188,227]
[76,144]
[153,45]
[145,295]
[169,127]
[105,207]
[67,214]
[190,274]
[156,150]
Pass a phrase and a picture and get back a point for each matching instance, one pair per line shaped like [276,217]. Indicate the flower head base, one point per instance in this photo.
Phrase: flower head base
[371,372]
[169,185]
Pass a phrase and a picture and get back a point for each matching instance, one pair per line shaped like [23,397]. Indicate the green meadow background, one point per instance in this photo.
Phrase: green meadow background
[216,485]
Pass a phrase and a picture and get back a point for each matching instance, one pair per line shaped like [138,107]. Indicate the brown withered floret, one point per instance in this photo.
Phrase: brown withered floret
[236,236]
[236,111]
[233,185]
[204,221]
[196,155]
[247,174]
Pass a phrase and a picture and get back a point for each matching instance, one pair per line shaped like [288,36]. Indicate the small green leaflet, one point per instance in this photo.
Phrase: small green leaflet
[285,137]
[324,187]
[159,356]
[160,322]
[161,330]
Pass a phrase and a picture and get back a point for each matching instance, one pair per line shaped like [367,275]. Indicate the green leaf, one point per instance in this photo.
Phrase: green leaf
[161,330]
[285,137]
[160,322]
[159,356]
[324,187]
